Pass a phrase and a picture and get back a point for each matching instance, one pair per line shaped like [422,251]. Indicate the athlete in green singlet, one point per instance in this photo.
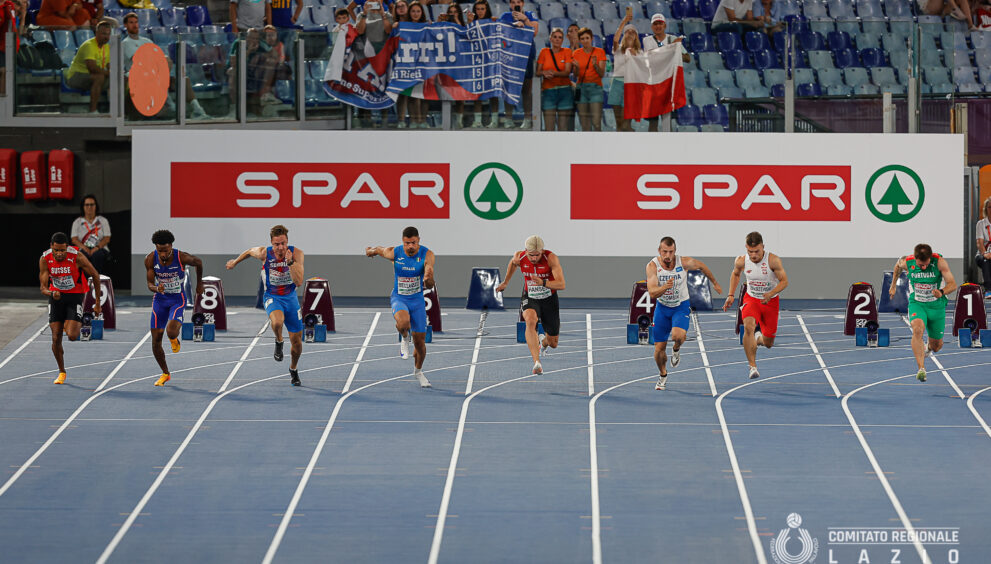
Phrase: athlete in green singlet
[929,280]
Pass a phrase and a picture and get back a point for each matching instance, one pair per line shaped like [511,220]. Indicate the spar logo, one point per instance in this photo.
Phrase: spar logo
[493,191]
[316,190]
[808,547]
[710,192]
[895,194]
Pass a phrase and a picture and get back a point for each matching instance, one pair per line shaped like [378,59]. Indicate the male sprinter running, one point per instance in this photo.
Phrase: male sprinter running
[61,272]
[926,272]
[413,265]
[166,275]
[543,278]
[282,271]
[766,278]
[667,282]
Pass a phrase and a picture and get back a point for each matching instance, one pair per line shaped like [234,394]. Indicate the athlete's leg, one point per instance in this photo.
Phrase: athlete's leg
[157,351]
[72,329]
[278,320]
[769,314]
[550,319]
[532,343]
[749,341]
[918,346]
[56,328]
[661,357]
[419,349]
[935,325]
[935,344]
[296,338]
[402,322]
[678,336]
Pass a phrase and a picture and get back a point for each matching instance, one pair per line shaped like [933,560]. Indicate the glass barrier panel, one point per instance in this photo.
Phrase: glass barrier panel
[317,48]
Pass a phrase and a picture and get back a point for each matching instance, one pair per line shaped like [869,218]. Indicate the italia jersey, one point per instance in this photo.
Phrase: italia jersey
[922,282]
[172,276]
[409,272]
[275,272]
[533,273]
[760,278]
[64,275]
[678,292]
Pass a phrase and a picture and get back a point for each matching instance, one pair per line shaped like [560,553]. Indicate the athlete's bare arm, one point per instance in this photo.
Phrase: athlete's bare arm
[774,261]
[194,260]
[951,283]
[257,252]
[43,278]
[388,253]
[653,288]
[428,269]
[692,264]
[150,274]
[89,270]
[733,280]
[556,271]
[899,267]
[295,256]
[514,263]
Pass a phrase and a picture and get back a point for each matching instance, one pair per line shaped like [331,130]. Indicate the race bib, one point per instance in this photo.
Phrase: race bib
[408,285]
[279,277]
[172,285]
[758,288]
[671,297]
[924,292]
[62,283]
[537,292]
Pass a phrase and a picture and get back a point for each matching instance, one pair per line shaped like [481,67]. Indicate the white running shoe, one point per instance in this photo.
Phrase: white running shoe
[757,335]
[537,368]
[424,383]
[543,345]
[753,373]
[662,383]
[675,358]
[403,348]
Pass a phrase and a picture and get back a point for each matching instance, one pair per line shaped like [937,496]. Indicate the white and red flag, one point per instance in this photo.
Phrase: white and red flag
[654,83]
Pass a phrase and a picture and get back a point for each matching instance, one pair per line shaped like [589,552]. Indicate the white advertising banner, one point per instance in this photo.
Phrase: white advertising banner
[606,194]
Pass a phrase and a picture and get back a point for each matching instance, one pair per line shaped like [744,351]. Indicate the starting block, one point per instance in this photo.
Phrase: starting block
[971,337]
[641,332]
[318,301]
[481,289]
[199,329]
[861,308]
[92,328]
[638,328]
[109,311]
[429,337]
[969,310]
[313,330]
[871,335]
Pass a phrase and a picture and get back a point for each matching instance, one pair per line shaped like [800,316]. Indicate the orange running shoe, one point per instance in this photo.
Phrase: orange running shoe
[61,378]
[162,380]
[176,345]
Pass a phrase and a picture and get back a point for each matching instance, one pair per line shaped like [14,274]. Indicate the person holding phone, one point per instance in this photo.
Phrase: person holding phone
[519,17]
[626,44]
[557,100]
[589,65]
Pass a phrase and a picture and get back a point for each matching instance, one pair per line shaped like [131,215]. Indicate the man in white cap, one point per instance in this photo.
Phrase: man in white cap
[659,25]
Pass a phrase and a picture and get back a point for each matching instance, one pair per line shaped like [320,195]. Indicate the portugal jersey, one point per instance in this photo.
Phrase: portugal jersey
[922,282]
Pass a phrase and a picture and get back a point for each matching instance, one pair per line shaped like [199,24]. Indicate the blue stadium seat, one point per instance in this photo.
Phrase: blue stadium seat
[807,90]
[730,92]
[838,90]
[681,9]
[774,76]
[970,88]
[148,18]
[804,76]
[720,78]
[727,40]
[815,9]
[869,8]
[736,59]
[746,78]
[822,27]
[755,41]
[893,88]
[215,35]
[162,35]
[659,6]
[820,60]
[830,77]
[707,9]
[839,40]
[851,28]
[778,90]
[575,10]
[872,57]
[981,40]
[866,89]
[841,9]
[930,58]
[686,128]
[796,24]
[703,96]
[710,61]
[758,91]
[198,15]
[63,39]
[594,25]
[82,35]
[172,17]
[634,4]
[788,8]
[316,68]
[942,88]
[855,76]
[712,128]
[811,41]
[285,90]
[562,23]
[884,76]
[984,73]
[895,8]
[716,113]
[693,25]
[201,81]
[700,42]
[954,41]
[875,27]
[963,74]
[865,40]
[556,10]
[846,58]
[42,36]
[901,28]
[689,115]
[603,9]
[766,59]
[695,79]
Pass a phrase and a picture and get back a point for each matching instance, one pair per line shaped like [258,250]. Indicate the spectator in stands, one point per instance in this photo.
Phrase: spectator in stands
[13,17]
[91,233]
[983,258]
[659,25]
[282,14]
[90,67]
[355,4]
[95,9]
[129,46]
[374,25]
[519,17]
[557,99]
[735,16]
[589,65]
[250,13]
[959,9]
[771,17]
[573,42]
[627,44]
[260,73]
[417,107]
[62,13]
[400,13]
[481,11]
[455,16]
[982,15]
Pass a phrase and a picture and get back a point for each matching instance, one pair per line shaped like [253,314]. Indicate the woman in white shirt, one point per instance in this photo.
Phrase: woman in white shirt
[626,43]
[91,233]
[736,16]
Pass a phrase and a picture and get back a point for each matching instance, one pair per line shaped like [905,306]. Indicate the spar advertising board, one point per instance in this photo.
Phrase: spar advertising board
[605,194]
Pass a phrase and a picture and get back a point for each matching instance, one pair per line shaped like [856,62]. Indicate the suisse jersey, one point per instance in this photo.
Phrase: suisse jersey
[64,275]
[171,276]
[278,281]
[673,296]
[533,273]
[760,278]
[922,282]
[409,272]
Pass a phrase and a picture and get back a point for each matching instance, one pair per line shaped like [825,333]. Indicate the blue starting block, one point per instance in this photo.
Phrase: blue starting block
[699,292]
[313,332]
[521,330]
[865,338]
[741,330]
[429,338]
[198,329]
[640,333]
[481,289]
[899,303]
[92,328]
[967,339]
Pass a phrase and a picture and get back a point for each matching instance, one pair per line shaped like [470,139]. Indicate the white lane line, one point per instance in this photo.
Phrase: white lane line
[244,357]
[588,338]
[906,523]
[815,350]
[705,357]
[474,354]
[970,405]
[121,364]
[361,352]
[593,454]
[935,360]
[23,346]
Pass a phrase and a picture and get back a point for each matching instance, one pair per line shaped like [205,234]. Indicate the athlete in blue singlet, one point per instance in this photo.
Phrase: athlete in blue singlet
[414,271]
[166,271]
[282,271]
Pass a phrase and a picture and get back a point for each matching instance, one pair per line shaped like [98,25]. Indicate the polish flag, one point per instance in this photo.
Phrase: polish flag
[655,83]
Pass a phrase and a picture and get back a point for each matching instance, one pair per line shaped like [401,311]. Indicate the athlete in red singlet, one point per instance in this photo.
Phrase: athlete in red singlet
[63,270]
[543,278]
[766,278]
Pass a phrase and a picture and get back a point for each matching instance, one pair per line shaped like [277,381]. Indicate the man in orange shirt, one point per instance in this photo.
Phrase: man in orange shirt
[62,13]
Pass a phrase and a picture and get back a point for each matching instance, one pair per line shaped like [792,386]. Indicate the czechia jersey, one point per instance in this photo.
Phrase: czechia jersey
[678,292]
[171,276]
[409,272]
[65,275]
[533,273]
[760,277]
[278,281]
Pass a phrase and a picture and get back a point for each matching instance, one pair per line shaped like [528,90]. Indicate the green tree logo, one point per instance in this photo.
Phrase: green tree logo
[892,188]
[493,191]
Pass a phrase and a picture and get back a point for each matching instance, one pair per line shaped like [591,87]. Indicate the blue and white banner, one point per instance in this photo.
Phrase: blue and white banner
[439,61]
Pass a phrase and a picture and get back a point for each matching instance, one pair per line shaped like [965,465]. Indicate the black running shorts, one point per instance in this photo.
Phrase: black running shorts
[69,307]
[548,312]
